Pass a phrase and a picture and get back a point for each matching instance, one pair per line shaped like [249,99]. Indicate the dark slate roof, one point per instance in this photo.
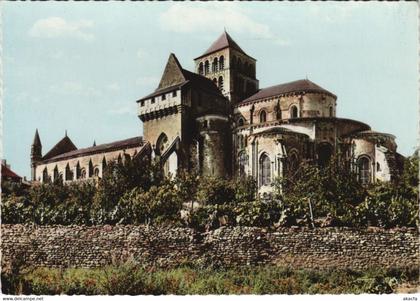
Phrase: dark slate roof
[63,146]
[196,80]
[8,173]
[224,41]
[373,133]
[121,144]
[280,130]
[303,85]
[201,82]
[37,140]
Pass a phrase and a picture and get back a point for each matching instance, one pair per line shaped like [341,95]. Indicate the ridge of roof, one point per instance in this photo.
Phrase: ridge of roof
[138,140]
[302,85]
[198,80]
[63,146]
[7,172]
[223,41]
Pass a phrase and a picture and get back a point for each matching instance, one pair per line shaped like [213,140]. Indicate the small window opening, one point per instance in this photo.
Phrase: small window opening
[263,116]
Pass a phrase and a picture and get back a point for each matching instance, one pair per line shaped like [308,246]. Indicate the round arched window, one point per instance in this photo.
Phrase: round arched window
[161,144]
[243,162]
[294,112]
[222,63]
[265,170]
[363,165]
[263,116]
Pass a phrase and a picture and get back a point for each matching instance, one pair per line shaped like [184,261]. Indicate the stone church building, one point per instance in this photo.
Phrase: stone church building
[219,122]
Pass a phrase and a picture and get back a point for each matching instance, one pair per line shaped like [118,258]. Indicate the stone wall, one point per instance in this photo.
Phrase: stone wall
[82,246]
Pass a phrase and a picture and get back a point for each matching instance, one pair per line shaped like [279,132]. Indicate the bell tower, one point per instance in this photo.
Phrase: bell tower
[230,68]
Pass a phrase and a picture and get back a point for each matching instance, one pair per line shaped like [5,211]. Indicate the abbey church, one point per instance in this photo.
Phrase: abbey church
[217,121]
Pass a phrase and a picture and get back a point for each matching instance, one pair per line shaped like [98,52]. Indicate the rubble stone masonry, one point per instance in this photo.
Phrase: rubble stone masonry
[95,246]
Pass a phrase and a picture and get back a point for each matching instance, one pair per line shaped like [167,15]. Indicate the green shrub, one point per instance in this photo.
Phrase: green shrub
[215,191]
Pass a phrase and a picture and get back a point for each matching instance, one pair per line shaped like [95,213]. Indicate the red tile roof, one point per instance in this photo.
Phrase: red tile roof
[303,85]
[8,173]
[121,144]
[224,41]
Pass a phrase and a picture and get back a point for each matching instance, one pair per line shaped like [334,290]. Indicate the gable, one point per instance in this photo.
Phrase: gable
[63,146]
[172,75]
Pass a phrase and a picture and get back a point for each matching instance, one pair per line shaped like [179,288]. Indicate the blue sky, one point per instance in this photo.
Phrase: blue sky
[81,66]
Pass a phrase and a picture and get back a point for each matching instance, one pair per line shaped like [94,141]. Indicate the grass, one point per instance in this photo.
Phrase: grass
[132,279]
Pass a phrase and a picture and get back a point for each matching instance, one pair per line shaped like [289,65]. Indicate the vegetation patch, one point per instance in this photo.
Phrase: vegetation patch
[132,279]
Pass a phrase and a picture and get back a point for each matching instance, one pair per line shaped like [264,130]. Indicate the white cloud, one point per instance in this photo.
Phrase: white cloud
[114,87]
[54,27]
[205,17]
[147,81]
[25,98]
[336,12]
[142,55]
[74,88]
[123,110]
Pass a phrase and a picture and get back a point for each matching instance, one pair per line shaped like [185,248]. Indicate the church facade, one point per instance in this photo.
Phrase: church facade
[216,121]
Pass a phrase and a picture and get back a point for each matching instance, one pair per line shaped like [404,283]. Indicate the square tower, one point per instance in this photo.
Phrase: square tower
[230,68]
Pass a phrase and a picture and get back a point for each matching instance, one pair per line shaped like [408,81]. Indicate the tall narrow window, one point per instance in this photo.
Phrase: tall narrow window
[200,68]
[221,83]
[206,67]
[263,116]
[243,162]
[222,63]
[103,165]
[215,65]
[45,177]
[265,170]
[55,173]
[293,112]
[240,121]
[331,111]
[90,169]
[68,173]
[363,165]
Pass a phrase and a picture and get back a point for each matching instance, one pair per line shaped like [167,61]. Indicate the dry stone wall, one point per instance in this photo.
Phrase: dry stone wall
[95,246]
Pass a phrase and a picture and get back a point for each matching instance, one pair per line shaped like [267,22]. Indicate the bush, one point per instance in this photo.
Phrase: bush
[257,213]
[215,191]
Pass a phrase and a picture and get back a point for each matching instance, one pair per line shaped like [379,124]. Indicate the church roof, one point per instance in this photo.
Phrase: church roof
[63,146]
[373,133]
[37,140]
[279,130]
[8,173]
[303,85]
[106,147]
[174,77]
[224,41]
